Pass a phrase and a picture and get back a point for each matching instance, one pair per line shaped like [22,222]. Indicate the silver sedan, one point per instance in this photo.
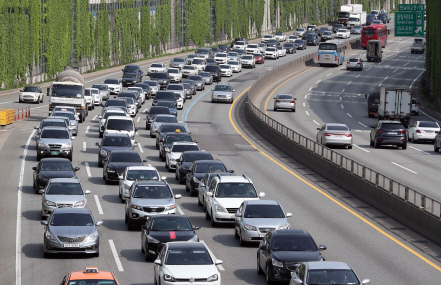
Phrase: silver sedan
[335,134]
[285,101]
[423,131]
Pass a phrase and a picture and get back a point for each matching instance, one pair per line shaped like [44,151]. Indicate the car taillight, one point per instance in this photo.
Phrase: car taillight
[277,101]
[358,63]
[292,102]
[327,135]
[319,57]
[381,131]
[404,131]
[418,131]
[349,62]
[349,135]
[335,58]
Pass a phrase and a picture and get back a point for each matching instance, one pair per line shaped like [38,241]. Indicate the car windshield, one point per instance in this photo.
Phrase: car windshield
[178,60]
[175,87]
[369,32]
[55,166]
[117,141]
[213,68]
[353,60]
[63,90]
[130,75]
[152,192]
[270,49]
[392,126]
[236,190]
[92,282]
[198,61]
[356,27]
[95,91]
[337,128]
[174,138]
[272,41]
[428,125]
[71,220]
[189,67]
[287,45]
[156,65]
[298,42]
[247,57]
[151,83]
[233,63]
[297,243]
[64,189]
[142,174]
[159,75]
[225,88]
[55,134]
[125,157]
[121,125]
[172,129]
[327,33]
[166,119]
[202,51]
[87,92]
[311,36]
[176,71]
[182,148]
[195,77]
[353,19]
[187,86]
[129,68]
[342,31]
[111,81]
[31,89]
[264,211]
[232,54]
[69,115]
[326,46]
[115,103]
[116,114]
[252,46]
[167,104]
[52,123]
[199,256]
[155,111]
[170,224]
[221,55]
[204,74]
[331,276]
[284,96]
[196,156]
[300,29]
[224,66]
[240,43]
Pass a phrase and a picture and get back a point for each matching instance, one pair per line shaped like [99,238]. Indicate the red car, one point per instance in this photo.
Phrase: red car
[260,58]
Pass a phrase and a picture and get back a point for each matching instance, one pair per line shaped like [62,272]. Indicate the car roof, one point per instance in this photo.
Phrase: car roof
[120,118]
[176,134]
[209,162]
[168,217]
[234,179]
[57,119]
[165,115]
[158,107]
[261,202]
[154,183]
[141,168]
[186,245]
[132,65]
[336,124]
[65,180]
[56,128]
[195,152]
[124,151]
[328,265]
[72,211]
[296,232]
[82,275]
[390,122]
[116,134]
[184,143]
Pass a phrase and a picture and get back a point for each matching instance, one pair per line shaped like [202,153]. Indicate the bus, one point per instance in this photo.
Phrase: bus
[331,52]
[374,32]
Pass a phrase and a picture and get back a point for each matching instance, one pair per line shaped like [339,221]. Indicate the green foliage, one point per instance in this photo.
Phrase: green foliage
[197,22]
[432,75]
[102,39]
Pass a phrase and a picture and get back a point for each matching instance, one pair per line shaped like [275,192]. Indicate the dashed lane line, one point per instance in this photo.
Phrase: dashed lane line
[98,204]
[116,256]
[88,169]
[404,168]
[360,148]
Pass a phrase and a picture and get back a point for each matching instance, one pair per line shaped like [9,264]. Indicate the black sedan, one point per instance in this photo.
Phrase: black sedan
[290,48]
[49,168]
[300,44]
[184,162]
[169,128]
[117,162]
[161,229]
[113,142]
[169,138]
[280,252]
[198,170]
[130,79]
[151,114]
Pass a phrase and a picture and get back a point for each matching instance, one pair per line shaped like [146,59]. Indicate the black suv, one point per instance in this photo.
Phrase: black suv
[388,133]
[162,78]
[132,74]
[215,71]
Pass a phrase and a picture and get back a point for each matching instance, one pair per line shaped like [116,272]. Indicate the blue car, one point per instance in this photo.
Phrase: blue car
[384,17]
[369,19]
[170,105]
[312,39]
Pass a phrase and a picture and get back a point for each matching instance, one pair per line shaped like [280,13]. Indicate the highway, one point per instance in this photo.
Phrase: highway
[374,245]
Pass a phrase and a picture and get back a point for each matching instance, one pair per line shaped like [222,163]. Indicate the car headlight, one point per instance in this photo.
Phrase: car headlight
[127,185]
[196,180]
[170,207]
[42,144]
[212,278]
[283,227]
[136,207]
[43,178]
[80,203]
[250,227]
[194,239]
[103,152]
[152,240]
[92,237]
[50,236]
[21,94]
[50,203]
[219,208]
[110,170]
[167,149]
[277,263]
[169,278]
[68,145]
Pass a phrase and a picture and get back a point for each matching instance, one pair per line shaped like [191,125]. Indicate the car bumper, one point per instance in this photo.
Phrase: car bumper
[285,106]
[280,274]
[337,141]
[27,98]
[271,55]
[82,248]
[218,282]
[252,236]
[222,217]
[391,141]
[425,136]
[175,80]
[199,86]
[54,152]
[135,216]
[221,98]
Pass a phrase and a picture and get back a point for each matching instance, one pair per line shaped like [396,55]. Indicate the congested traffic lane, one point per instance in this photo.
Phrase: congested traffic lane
[337,95]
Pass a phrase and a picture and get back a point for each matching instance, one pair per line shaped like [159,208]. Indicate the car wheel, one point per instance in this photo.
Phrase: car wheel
[435,148]
[376,144]
[293,110]
[207,216]
[259,270]
[193,192]
[96,254]
[241,241]
[181,180]
[148,257]
[275,109]
[38,157]
[187,188]
[404,146]
[41,99]
[268,279]
[130,226]
[47,255]
[371,142]
[213,223]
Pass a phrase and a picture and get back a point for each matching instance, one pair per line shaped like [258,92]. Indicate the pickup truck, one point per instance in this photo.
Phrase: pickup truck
[419,45]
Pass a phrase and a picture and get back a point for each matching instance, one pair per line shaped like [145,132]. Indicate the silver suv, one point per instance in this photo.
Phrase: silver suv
[54,141]
[222,93]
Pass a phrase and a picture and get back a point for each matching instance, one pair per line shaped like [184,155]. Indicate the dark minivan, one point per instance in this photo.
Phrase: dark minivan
[388,133]
[215,71]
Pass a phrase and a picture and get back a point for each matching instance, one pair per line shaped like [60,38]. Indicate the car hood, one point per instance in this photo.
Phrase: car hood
[221,93]
[147,202]
[232,202]
[66,231]
[112,85]
[297,256]
[187,272]
[186,165]
[199,175]
[64,199]
[57,174]
[166,236]
[54,141]
[156,125]
[112,148]
[130,79]
[29,93]
[175,155]
[266,222]
[123,165]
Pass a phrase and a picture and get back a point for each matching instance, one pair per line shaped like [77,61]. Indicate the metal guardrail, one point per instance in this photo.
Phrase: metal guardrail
[395,188]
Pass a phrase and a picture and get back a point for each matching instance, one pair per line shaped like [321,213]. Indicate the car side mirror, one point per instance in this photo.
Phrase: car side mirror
[47,91]
[136,129]
[318,129]
[210,194]
[178,196]
[366,281]
[76,169]
[97,144]
[36,127]
[202,184]
[322,247]
[158,262]
[100,117]
[135,144]
[144,227]
[178,160]
[261,194]
[234,90]
[231,171]
[264,247]
[144,160]
[288,215]
[238,214]
[196,228]
[43,222]
[73,138]
[41,191]
[99,223]
[34,168]
[218,262]
[87,192]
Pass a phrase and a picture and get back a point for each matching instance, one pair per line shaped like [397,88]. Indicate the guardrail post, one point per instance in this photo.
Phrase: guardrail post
[391,186]
[406,194]
[423,202]
[377,178]
[363,172]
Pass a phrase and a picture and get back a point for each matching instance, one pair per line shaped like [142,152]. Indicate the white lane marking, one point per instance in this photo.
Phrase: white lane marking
[8,102]
[357,76]
[328,74]
[361,148]
[139,118]
[220,267]
[343,91]
[349,82]
[310,89]
[88,169]
[342,106]
[103,76]
[430,117]
[362,124]
[94,118]
[87,129]
[349,115]
[416,78]
[404,168]
[406,64]
[304,104]
[140,148]
[98,204]
[115,255]
[380,84]
[386,77]
[145,110]
[307,113]
[180,211]
[315,122]
[419,150]
[318,81]
[396,70]
[18,251]
[84,146]
[306,96]
[340,98]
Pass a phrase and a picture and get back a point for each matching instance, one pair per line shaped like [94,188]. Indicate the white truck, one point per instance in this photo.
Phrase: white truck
[68,90]
[395,104]
[346,10]
[357,19]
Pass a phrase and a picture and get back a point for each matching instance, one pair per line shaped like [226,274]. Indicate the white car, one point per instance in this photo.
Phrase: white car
[108,113]
[225,195]
[226,70]
[115,85]
[189,70]
[88,95]
[180,100]
[272,52]
[299,32]
[281,37]
[252,48]
[120,125]
[156,67]
[262,47]
[291,39]
[343,33]
[248,60]
[423,131]
[221,57]
[134,173]
[235,65]
[175,152]
[267,37]
[175,75]
[240,45]
[31,94]
[184,263]
[200,63]
[140,91]
[281,50]
[97,99]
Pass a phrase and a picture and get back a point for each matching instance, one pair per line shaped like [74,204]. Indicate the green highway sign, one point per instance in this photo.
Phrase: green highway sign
[411,7]
[409,24]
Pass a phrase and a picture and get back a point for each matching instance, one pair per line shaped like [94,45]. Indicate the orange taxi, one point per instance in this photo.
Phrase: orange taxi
[90,276]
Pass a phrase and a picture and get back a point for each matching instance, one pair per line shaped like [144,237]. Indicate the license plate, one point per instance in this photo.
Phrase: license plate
[71,245]
[327,59]
[54,152]
[262,235]
[392,133]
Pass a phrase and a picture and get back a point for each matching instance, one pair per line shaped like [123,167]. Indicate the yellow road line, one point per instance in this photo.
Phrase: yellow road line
[327,195]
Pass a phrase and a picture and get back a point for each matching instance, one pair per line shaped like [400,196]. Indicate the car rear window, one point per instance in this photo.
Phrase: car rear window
[428,125]
[392,126]
[337,128]
[283,96]
[353,60]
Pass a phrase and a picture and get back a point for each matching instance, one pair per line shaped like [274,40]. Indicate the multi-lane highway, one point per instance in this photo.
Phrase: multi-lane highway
[376,246]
